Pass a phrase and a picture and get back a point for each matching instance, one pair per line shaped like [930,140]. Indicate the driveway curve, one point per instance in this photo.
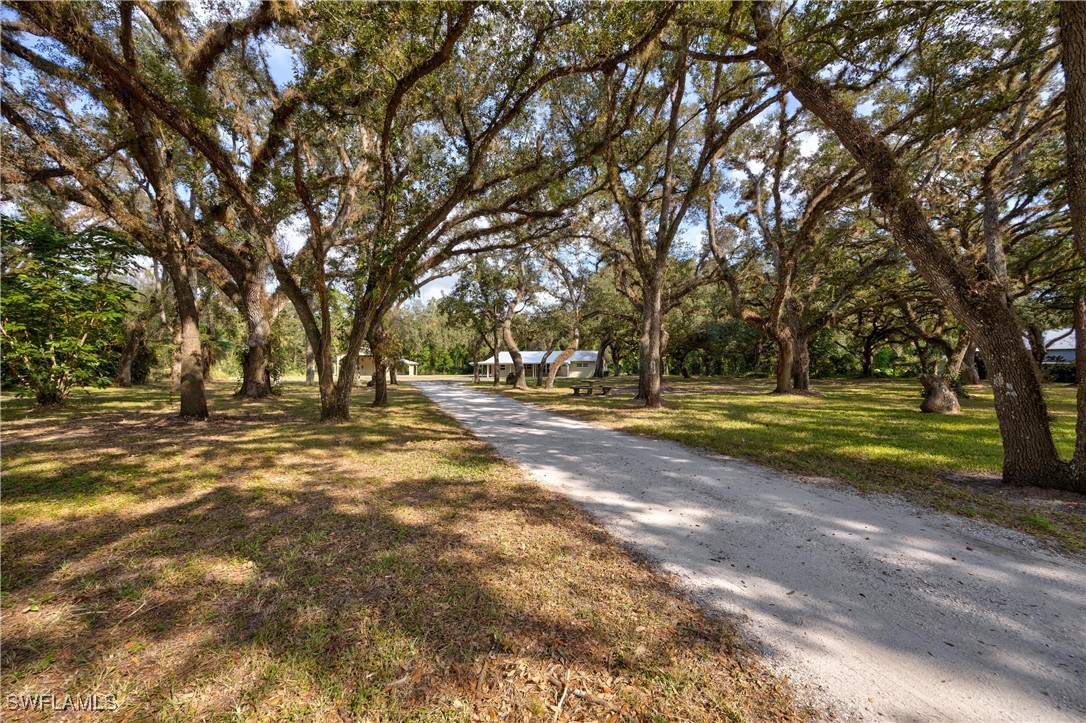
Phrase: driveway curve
[877,607]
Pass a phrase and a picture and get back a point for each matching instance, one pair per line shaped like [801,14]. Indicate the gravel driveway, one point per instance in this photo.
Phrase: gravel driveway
[876,607]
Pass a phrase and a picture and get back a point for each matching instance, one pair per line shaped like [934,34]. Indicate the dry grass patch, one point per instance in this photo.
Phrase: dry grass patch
[262,566]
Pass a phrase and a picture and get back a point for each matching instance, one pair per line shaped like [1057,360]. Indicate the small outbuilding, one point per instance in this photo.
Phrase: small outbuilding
[366,366]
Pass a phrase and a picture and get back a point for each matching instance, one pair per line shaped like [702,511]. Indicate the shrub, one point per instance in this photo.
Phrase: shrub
[63,306]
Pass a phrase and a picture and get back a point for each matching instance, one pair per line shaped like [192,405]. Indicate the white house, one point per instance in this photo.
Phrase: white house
[1059,346]
[581,364]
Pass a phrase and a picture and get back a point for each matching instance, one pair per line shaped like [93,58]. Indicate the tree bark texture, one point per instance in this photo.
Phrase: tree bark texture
[786,359]
[938,397]
[519,381]
[597,373]
[649,389]
[562,358]
[1073,52]
[256,375]
[190,358]
[801,366]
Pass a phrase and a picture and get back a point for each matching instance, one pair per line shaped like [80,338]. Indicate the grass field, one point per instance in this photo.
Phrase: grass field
[869,434]
[264,566]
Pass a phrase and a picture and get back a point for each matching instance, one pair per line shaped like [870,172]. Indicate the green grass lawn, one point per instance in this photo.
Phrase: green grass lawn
[867,433]
[265,566]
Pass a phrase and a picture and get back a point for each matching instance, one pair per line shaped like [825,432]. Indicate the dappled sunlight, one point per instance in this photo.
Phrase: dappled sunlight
[289,569]
[873,589]
[867,433]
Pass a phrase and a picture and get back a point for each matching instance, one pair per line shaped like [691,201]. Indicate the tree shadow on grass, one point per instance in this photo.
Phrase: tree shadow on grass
[385,567]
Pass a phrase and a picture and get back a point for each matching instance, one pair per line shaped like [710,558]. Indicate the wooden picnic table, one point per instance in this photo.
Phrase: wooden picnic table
[589,387]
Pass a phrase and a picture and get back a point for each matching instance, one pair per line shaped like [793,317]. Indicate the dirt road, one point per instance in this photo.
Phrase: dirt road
[879,608]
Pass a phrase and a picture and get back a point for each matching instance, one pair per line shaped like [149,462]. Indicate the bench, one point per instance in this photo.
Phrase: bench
[604,391]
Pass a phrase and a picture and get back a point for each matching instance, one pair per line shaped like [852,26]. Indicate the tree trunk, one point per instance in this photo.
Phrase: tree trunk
[131,345]
[649,362]
[562,358]
[1073,47]
[514,351]
[378,340]
[310,364]
[540,375]
[256,376]
[786,355]
[867,359]
[801,366]
[497,356]
[601,362]
[1078,462]
[392,373]
[1073,42]
[938,397]
[681,361]
[1029,453]
[380,382]
[189,359]
[968,374]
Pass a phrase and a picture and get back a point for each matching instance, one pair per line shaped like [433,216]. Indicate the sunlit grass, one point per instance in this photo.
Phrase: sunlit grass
[870,434]
[265,566]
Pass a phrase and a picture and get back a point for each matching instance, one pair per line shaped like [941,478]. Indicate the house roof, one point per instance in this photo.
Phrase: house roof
[1065,344]
[536,357]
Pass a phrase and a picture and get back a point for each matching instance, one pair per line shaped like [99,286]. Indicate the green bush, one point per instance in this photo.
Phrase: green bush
[63,307]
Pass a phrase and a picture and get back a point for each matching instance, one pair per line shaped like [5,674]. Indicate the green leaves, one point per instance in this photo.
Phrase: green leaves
[63,306]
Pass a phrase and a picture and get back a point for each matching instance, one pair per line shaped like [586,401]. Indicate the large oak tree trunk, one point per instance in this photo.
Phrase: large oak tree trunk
[519,381]
[256,375]
[1073,46]
[649,389]
[801,366]
[380,380]
[938,397]
[1029,453]
[786,355]
[497,355]
[867,359]
[968,375]
[190,358]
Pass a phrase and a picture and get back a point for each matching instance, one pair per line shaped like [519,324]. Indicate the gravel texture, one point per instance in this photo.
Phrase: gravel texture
[875,607]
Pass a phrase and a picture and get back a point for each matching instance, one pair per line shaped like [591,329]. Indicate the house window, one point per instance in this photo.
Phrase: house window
[503,367]
[582,365]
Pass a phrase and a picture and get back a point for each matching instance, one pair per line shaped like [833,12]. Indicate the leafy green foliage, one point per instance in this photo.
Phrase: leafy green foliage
[63,306]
